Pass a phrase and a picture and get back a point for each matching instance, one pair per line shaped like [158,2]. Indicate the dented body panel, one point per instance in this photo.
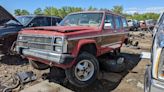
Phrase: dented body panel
[74,38]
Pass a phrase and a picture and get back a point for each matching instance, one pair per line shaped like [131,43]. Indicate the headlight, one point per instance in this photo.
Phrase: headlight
[58,40]
[58,48]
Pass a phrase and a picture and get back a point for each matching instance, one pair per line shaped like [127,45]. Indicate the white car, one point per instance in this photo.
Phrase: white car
[154,75]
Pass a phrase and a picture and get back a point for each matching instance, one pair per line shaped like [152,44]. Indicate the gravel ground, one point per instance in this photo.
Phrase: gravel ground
[131,80]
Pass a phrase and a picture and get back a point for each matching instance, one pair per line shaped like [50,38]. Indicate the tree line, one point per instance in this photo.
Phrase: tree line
[63,11]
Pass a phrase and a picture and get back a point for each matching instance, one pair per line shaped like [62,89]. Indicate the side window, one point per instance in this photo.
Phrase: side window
[118,22]
[54,21]
[109,23]
[39,21]
[48,21]
[125,25]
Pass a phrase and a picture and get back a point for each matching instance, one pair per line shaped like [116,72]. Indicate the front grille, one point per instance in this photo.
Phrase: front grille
[37,39]
[36,42]
[34,46]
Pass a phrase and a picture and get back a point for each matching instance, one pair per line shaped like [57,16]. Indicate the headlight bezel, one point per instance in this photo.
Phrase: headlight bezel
[58,40]
[62,44]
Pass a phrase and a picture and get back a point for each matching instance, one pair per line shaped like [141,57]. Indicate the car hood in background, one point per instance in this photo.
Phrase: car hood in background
[5,16]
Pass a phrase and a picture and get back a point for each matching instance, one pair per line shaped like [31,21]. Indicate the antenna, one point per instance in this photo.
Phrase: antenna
[51,14]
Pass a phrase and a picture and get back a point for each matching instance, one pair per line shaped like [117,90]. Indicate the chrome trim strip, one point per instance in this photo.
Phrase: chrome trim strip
[83,37]
[111,44]
[157,84]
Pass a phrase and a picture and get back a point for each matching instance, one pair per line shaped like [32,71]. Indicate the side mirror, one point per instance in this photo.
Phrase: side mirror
[107,25]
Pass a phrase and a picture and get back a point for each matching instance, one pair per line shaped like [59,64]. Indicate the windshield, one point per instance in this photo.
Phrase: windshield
[82,19]
[24,20]
[12,22]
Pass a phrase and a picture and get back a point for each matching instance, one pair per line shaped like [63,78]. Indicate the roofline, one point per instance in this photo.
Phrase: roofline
[101,11]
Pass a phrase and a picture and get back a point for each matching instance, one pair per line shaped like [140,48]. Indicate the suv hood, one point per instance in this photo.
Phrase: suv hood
[64,28]
[5,16]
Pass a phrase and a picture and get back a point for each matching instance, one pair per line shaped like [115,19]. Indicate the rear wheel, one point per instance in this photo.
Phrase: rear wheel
[38,65]
[85,71]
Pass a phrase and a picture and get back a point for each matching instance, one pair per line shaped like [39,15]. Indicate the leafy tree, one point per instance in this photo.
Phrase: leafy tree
[47,11]
[38,11]
[24,12]
[17,12]
[144,16]
[63,11]
[117,9]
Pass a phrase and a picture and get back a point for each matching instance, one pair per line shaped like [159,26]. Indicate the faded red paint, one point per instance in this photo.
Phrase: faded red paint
[71,32]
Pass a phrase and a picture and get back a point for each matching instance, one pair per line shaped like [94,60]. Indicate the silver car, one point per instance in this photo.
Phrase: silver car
[154,75]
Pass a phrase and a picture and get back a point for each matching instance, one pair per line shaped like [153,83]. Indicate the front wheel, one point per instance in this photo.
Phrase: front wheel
[147,80]
[85,70]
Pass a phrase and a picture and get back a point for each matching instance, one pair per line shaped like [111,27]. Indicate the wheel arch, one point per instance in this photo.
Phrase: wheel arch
[89,46]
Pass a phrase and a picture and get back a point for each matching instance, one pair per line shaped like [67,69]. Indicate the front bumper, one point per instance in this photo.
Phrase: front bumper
[45,55]
[156,86]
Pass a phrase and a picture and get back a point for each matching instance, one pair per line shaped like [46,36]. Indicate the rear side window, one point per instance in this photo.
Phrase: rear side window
[109,21]
[48,20]
[125,25]
[118,22]
[39,21]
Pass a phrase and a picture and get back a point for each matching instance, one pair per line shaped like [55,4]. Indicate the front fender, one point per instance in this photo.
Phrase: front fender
[82,43]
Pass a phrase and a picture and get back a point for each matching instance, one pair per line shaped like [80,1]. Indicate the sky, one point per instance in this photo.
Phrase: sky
[130,6]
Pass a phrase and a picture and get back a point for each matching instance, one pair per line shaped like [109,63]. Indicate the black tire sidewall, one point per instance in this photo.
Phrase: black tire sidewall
[147,77]
[70,73]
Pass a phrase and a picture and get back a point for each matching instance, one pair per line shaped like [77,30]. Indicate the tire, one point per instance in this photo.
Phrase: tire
[7,43]
[115,65]
[117,52]
[147,80]
[38,65]
[74,78]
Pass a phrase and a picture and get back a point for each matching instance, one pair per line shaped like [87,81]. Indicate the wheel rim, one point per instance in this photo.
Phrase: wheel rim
[84,70]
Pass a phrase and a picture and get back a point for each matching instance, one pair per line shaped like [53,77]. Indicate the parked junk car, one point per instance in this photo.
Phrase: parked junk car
[154,75]
[150,23]
[12,25]
[133,24]
[75,44]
